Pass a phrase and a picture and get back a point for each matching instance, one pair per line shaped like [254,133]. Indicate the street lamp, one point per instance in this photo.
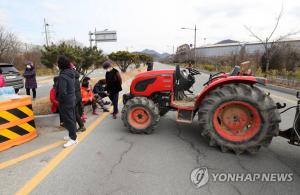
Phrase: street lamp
[195,38]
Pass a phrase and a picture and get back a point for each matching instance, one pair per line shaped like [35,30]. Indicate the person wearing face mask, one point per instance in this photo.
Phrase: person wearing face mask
[87,95]
[79,105]
[113,85]
[30,79]
[65,93]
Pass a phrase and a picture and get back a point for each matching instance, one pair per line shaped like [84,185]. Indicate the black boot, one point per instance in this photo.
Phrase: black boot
[81,129]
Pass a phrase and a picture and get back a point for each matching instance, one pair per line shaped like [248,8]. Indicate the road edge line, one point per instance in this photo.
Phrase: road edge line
[28,155]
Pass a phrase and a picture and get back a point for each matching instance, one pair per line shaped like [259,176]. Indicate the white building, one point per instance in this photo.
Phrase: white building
[220,50]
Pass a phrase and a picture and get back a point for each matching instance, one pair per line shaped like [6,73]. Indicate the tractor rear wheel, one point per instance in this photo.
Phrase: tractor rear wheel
[239,117]
[140,115]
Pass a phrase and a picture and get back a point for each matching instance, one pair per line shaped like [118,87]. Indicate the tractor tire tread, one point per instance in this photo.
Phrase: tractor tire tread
[266,107]
[151,107]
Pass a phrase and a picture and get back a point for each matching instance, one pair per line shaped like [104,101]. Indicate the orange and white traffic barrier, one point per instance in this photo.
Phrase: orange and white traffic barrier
[16,122]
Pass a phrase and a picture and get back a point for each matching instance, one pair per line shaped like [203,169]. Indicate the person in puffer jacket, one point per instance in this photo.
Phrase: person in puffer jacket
[30,79]
[79,105]
[65,93]
[87,95]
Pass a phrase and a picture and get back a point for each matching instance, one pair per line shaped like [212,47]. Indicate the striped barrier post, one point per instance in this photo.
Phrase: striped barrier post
[16,122]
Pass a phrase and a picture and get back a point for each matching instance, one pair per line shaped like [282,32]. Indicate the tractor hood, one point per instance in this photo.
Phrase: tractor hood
[155,73]
[147,83]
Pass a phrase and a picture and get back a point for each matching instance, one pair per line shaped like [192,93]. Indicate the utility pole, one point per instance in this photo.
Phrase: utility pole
[91,40]
[46,32]
[195,40]
[95,38]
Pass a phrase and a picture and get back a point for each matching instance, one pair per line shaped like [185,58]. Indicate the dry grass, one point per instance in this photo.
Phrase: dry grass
[42,106]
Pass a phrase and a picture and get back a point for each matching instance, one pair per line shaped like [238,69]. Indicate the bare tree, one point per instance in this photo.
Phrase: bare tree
[268,43]
[9,45]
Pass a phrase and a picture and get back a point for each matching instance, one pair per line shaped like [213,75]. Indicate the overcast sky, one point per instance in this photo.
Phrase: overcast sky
[152,24]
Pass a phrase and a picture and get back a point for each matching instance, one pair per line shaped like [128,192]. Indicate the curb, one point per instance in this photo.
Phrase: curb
[280,89]
[46,120]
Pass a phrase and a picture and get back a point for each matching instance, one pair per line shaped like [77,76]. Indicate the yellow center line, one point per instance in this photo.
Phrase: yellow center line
[42,174]
[29,155]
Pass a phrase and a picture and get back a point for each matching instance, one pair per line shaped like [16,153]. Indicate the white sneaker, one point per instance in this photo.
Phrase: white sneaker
[67,138]
[70,143]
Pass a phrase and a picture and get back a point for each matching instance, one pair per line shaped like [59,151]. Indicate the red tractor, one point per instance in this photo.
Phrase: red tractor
[232,111]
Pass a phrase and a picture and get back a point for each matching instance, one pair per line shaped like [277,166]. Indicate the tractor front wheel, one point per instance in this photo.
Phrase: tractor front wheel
[239,117]
[140,115]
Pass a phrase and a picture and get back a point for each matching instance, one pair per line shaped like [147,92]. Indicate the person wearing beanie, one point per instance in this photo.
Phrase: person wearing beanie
[113,85]
[65,93]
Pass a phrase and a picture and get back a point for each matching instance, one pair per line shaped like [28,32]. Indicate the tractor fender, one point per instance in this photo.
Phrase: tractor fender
[228,80]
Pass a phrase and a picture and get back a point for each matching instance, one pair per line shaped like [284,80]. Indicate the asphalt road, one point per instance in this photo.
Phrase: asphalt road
[109,160]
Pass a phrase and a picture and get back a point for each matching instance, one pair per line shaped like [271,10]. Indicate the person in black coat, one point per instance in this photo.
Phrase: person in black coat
[79,105]
[113,85]
[30,79]
[149,66]
[65,93]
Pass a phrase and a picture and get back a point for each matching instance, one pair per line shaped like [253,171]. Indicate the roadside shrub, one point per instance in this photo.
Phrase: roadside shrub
[259,72]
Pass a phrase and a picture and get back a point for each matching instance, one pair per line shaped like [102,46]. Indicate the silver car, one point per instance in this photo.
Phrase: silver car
[12,76]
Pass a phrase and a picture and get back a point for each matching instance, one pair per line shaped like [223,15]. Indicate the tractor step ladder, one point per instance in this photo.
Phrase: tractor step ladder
[185,116]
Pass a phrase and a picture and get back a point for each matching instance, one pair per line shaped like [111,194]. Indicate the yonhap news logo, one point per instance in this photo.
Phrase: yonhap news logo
[201,176]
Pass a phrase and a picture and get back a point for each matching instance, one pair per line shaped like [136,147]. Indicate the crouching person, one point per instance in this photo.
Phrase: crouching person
[87,95]
[54,101]
[100,93]
[65,93]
